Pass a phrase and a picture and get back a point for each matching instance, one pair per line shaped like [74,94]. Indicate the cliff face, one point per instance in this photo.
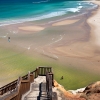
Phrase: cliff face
[67,94]
[91,92]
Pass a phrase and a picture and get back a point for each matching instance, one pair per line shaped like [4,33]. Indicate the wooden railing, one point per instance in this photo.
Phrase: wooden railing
[49,84]
[15,89]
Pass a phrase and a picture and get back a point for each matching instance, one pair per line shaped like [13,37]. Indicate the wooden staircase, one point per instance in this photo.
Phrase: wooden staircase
[40,81]
[38,90]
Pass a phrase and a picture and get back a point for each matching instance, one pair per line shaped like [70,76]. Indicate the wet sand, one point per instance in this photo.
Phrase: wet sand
[66,39]
[31,28]
[64,22]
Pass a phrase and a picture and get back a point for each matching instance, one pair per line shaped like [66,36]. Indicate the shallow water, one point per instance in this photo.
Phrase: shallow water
[13,12]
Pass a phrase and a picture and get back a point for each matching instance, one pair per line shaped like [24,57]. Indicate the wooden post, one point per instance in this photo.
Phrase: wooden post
[44,71]
[31,78]
[18,97]
[28,87]
[37,71]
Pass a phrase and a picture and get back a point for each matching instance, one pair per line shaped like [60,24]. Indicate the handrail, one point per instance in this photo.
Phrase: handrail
[42,72]
[8,87]
[17,88]
[49,84]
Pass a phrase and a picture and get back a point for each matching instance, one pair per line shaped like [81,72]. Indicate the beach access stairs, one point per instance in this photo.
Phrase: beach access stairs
[36,85]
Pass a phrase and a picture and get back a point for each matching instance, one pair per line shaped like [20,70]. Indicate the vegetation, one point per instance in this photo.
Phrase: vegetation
[14,64]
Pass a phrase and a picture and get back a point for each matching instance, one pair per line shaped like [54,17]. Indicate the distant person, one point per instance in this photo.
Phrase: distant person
[8,39]
[62,77]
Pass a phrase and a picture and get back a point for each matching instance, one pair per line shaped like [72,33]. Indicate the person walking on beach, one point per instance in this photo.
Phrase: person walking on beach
[8,39]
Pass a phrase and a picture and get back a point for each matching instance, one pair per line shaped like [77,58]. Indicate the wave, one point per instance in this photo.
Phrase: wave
[45,16]
[59,12]
[41,1]
[73,10]
[79,3]
[68,17]
[52,14]
[93,6]
[77,9]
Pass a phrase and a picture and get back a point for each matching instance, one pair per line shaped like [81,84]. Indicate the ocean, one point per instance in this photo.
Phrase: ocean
[19,11]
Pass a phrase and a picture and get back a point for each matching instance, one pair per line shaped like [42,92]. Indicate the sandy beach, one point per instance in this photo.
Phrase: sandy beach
[94,23]
[72,42]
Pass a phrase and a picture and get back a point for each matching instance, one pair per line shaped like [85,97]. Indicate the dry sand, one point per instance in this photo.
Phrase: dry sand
[31,28]
[94,22]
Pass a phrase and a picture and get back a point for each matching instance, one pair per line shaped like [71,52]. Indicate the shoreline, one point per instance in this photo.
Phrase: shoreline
[58,18]
[93,22]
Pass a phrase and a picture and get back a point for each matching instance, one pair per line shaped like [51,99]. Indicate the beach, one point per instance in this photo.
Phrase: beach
[72,43]
[94,23]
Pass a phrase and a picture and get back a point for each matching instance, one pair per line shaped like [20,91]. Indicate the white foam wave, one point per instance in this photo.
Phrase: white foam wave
[79,3]
[77,9]
[41,1]
[52,14]
[73,10]
[90,3]
[80,7]
[68,17]
[94,6]
[60,12]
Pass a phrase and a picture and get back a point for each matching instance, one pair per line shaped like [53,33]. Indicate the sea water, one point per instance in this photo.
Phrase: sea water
[19,11]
